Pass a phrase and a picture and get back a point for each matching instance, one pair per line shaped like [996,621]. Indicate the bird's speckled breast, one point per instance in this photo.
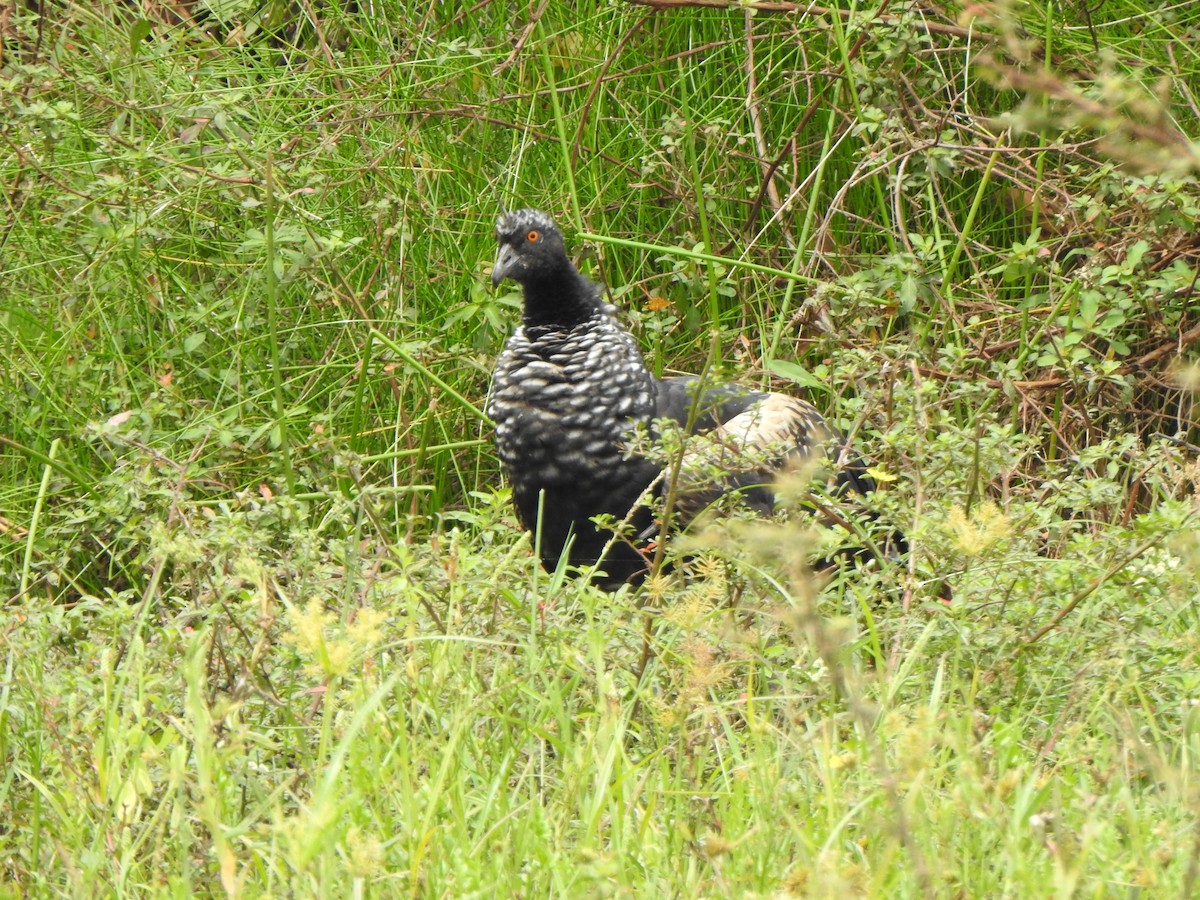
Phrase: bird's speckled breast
[565,400]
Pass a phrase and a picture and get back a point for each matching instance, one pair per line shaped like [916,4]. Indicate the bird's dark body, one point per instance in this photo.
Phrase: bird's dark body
[571,389]
[565,401]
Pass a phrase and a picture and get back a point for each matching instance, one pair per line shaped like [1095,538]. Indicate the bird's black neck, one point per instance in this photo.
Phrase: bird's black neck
[560,298]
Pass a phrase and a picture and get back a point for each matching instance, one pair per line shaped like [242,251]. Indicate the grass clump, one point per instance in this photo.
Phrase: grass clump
[269,625]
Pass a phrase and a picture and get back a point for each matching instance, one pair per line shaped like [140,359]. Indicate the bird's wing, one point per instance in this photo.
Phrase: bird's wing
[717,404]
[760,424]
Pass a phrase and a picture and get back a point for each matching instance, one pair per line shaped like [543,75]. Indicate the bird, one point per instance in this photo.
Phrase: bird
[572,397]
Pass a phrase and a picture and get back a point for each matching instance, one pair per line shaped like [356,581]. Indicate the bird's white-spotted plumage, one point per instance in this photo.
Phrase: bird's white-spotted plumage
[565,401]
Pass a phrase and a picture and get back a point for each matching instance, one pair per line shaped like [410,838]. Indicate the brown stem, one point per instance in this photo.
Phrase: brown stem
[770,6]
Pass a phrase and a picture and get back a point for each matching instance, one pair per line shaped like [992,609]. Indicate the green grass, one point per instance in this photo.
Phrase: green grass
[269,626]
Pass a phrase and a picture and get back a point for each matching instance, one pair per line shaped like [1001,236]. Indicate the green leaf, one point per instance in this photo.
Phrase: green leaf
[908,293]
[796,374]
[138,32]
[1135,254]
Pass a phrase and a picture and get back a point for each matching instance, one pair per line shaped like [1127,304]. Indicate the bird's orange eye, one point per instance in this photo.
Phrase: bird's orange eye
[532,236]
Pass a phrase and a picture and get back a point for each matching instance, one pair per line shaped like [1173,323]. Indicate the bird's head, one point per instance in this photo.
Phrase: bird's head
[531,247]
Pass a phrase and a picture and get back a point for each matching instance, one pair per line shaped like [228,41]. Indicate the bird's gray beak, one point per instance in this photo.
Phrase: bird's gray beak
[505,260]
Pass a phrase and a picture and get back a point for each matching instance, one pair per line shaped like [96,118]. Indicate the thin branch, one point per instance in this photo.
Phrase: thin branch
[519,43]
[767,6]
[760,141]
[599,81]
[1096,584]
[1175,346]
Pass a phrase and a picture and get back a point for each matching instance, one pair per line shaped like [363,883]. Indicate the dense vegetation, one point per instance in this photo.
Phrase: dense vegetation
[269,626]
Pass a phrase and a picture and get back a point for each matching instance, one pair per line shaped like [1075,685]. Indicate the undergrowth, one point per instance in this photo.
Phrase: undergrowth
[270,627]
